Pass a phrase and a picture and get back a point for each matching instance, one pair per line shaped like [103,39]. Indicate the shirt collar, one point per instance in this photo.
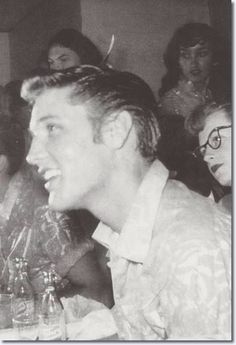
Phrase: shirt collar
[134,240]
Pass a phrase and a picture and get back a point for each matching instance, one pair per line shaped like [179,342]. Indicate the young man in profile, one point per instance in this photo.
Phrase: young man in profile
[95,141]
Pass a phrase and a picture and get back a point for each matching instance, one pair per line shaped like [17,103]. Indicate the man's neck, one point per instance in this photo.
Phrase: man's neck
[113,207]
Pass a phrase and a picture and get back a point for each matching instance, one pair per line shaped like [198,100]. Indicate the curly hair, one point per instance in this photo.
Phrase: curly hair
[187,36]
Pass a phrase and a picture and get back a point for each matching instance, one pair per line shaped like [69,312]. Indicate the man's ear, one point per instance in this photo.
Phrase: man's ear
[116,129]
[3,163]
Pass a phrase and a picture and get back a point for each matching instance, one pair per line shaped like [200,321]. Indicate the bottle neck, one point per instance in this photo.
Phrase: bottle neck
[50,289]
[22,276]
[22,286]
[50,298]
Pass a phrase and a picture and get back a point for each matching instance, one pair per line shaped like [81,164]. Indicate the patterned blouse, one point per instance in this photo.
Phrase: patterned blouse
[182,99]
[28,228]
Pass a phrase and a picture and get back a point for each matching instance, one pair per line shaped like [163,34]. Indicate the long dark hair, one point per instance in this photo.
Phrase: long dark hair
[187,36]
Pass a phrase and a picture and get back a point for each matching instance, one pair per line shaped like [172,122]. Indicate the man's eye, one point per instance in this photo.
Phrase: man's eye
[51,128]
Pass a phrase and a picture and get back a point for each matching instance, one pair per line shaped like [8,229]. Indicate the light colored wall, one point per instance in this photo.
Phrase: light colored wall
[4,59]
[142,29]
[31,35]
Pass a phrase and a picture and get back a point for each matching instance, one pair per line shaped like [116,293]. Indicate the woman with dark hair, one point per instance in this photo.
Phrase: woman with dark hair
[70,48]
[196,62]
[196,74]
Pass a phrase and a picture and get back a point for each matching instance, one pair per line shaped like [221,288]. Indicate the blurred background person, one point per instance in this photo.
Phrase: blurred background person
[70,48]
[15,108]
[198,70]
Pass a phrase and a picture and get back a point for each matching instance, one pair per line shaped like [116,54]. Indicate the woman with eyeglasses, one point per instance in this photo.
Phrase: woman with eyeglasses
[212,124]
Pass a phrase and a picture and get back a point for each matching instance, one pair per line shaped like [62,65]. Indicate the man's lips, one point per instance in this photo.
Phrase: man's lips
[215,167]
[48,175]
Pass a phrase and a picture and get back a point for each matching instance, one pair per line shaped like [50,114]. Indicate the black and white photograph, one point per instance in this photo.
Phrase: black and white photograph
[115,170]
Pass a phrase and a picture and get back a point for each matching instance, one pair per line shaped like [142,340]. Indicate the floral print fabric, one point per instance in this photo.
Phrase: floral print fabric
[29,229]
[171,264]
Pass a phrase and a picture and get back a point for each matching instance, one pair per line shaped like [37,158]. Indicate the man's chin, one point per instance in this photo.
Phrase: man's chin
[56,203]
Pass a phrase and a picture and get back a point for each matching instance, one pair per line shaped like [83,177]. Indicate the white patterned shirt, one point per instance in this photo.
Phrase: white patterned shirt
[171,264]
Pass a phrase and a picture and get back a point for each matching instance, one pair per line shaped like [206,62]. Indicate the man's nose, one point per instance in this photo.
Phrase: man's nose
[35,153]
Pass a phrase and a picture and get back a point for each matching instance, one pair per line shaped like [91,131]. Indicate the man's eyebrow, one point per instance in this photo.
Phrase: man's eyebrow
[42,119]
[47,117]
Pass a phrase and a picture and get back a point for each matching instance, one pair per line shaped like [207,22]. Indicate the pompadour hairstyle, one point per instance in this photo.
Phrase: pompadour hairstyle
[106,92]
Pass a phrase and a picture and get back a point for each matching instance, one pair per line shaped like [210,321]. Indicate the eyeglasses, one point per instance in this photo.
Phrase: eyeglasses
[213,140]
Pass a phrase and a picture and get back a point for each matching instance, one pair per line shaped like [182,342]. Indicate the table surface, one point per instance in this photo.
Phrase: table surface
[8,334]
[11,334]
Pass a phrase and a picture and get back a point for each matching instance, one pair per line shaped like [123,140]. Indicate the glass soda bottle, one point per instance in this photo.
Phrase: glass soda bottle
[51,313]
[13,271]
[23,302]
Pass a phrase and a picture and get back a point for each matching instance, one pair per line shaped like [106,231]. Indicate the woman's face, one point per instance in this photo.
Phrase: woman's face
[60,58]
[218,160]
[195,62]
